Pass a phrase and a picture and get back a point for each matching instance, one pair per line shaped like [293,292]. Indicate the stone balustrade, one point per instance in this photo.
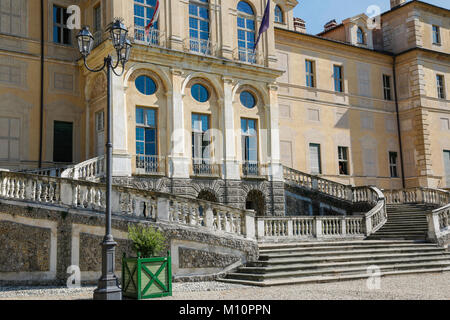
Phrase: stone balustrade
[417,195]
[438,219]
[327,227]
[141,204]
[89,170]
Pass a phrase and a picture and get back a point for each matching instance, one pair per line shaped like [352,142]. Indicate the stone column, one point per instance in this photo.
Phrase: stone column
[230,161]
[272,112]
[178,161]
[121,158]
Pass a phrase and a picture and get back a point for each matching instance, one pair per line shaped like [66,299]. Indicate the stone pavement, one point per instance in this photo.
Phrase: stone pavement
[408,287]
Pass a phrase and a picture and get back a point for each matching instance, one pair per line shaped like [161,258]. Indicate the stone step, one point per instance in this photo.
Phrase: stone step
[398,237]
[345,259]
[344,247]
[263,246]
[338,271]
[325,279]
[264,257]
[327,268]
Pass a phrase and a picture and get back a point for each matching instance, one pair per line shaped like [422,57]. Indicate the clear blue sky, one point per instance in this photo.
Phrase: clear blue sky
[318,12]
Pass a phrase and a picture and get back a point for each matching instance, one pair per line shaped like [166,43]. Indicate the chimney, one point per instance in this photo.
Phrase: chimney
[330,25]
[299,25]
[396,3]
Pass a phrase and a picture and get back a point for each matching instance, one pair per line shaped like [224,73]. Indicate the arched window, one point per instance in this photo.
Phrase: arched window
[278,14]
[199,26]
[360,36]
[143,14]
[246,32]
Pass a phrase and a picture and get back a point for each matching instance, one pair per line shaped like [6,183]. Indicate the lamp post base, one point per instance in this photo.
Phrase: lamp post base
[108,288]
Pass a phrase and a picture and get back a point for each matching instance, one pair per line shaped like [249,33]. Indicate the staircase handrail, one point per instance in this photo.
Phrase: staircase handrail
[91,169]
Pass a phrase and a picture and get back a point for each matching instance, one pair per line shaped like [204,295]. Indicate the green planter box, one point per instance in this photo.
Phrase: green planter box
[146,278]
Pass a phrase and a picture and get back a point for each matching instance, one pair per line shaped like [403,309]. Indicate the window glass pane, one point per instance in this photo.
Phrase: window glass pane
[245,8]
[145,85]
[140,116]
[247,100]
[151,118]
[200,93]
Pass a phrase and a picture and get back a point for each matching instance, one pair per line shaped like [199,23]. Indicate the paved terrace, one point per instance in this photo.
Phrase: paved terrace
[408,287]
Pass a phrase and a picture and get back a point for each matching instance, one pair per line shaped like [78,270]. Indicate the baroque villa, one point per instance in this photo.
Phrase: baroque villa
[199,113]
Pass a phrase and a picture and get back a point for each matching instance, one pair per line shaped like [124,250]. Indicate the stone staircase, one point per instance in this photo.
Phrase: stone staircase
[404,222]
[314,262]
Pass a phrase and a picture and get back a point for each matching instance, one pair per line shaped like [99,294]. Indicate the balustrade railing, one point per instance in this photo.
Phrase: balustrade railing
[89,170]
[204,167]
[253,169]
[126,201]
[417,195]
[248,56]
[150,165]
[199,46]
[152,38]
[298,228]
[50,172]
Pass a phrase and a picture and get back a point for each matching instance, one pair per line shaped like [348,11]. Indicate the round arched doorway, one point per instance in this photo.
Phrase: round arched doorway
[256,201]
[207,195]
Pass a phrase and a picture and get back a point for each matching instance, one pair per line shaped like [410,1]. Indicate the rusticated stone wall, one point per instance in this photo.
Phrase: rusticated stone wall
[39,243]
[234,193]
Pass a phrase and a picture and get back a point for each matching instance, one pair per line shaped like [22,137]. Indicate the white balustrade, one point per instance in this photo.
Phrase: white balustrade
[141,204]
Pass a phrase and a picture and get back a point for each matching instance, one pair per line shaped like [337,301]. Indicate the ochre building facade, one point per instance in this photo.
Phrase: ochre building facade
[199,113]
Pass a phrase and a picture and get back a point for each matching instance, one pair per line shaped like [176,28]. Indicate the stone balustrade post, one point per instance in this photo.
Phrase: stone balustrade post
[349,192]
[343,227]
[250,226]
[402,196]
[318,227]
[290,228]
[368,226]
[434,228]
[314,183]
[209,218]
[66,192]
[162,210]
[260,228]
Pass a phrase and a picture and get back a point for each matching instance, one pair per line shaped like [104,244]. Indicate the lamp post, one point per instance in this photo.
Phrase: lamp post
[108,288]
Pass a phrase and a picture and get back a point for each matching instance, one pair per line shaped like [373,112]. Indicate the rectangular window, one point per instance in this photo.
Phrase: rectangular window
[343,161]
[249,146]
[11,16]
[146,132]
[199,27]
[436,35]
[97,18]
[393,164]
[445,124]
[387,87]
[338,79]
[62,141]
[314,158]
[100,132]
[61,34]
[440,86]
[447,167]
[310,74]
[201,141]
[9,139]
[143,13]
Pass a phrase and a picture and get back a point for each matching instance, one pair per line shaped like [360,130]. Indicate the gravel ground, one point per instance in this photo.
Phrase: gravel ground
[410,287]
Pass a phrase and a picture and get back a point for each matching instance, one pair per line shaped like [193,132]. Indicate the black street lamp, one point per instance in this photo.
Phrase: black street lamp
[108,288]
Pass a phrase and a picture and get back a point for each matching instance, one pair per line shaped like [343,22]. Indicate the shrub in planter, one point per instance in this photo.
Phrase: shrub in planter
[146,275]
